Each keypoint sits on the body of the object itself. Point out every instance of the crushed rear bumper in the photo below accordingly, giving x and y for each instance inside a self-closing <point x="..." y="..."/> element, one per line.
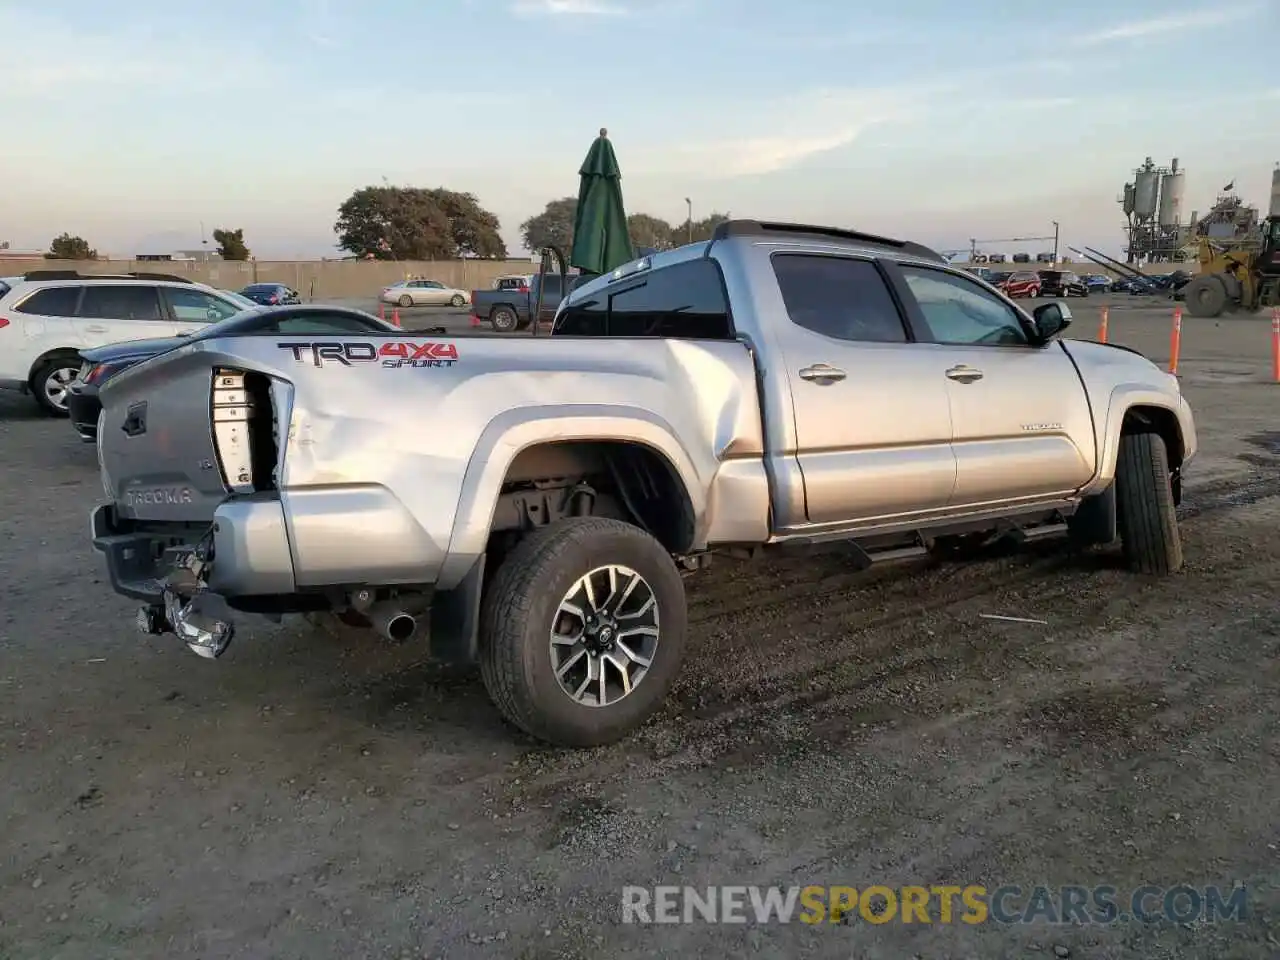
<point x="248" y="537"/>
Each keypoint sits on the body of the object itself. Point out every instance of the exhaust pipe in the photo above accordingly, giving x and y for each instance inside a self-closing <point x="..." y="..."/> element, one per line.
<point x="392" y="622"/>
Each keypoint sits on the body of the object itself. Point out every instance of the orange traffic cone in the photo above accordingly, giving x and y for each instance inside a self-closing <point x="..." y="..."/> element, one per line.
<point x="395" y="316"/>
<point x="475" y="319"/>
<point x="382" y="311"/>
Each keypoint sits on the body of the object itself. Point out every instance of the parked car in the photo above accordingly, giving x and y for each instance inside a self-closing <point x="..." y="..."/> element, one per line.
<point x="100" y="364"/>
<point x="509" y="310"/>
<point x="1062" y="283"/>
<point x="424" y="293"/>
<point x="1023" y="284"/>
<point x="48" y="316"/>
<point x="1044" y="258"/>
<point x="1097" y="283"/>
<point x="271" y="294"/>
<point x="1022" y="258"/>
<point x="978" y="258"/>
<point x="670" y="413"/>
<point x="998" y="258"/>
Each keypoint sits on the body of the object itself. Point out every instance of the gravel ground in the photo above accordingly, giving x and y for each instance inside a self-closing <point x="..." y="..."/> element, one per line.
<point x="312" y="795"/>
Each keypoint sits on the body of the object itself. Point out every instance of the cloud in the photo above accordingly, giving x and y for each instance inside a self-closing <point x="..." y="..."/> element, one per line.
<point x="1170" y="23"/>
<point x="559" y="8"/>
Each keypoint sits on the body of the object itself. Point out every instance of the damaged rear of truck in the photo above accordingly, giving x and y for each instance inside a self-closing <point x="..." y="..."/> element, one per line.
<point x="398" y="479"/>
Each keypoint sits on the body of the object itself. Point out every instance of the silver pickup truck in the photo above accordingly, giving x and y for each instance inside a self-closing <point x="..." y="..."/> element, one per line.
<point x="535" y="502"/>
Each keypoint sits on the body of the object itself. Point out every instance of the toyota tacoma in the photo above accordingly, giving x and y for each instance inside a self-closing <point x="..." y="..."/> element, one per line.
<point x="534" y="504"/>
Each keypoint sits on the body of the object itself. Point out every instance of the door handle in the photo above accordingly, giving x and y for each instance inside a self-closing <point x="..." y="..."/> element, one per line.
<point x="822" y="374"/>
<point x="963" y="374"/>
<point x="95" y="329"/>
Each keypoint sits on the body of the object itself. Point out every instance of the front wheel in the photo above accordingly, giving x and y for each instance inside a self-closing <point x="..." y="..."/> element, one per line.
<point x="1145" y="513"/>
<point x="458" y="300"/>
<point x="406" y="301"/>
<point x="49" y="385"/>
<point x="582" y="631"/>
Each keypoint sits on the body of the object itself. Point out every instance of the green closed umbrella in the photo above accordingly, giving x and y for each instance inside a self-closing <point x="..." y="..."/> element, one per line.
<point x="600" y="239"/>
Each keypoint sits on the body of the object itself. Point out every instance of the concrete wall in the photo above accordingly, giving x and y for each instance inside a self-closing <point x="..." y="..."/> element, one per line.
<point x="311" y="278"/>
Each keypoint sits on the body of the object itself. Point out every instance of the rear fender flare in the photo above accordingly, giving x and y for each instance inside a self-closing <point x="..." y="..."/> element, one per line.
<point x="507" y="434"/>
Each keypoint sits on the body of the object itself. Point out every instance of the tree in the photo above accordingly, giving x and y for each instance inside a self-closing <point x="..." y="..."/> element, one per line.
<point x="473" y="228"/>
<point x="67" y="247"/>
<point x="702" y="229"/>
<point x="552" y="227"/>
<point x="647" y="231"/>
<point x="231" y="244"/>
<point x="413" y="223"/>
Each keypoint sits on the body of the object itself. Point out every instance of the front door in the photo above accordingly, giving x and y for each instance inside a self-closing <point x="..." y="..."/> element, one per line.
<point x="194" y="309"/>
<point x="872" y="421"/>
<point x="1020" y="420"/>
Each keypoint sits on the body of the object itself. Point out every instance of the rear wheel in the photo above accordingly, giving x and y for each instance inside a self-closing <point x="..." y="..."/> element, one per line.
<point x="1145" y="514"/>
<point x="504" y="319"/>
<point x="458" y="300"/>
<point x="1205" y="296"/>
<point x="50" y="381"/>
<point x="582" y="631"/>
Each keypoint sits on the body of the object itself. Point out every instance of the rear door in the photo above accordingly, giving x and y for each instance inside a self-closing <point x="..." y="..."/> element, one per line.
<point x="1020" y="418"/>
<point x="110" y="313"/>
<point x="872" y="421"/>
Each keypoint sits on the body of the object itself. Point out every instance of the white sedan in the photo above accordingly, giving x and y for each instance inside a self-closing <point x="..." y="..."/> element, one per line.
<point x="424" y="293"/>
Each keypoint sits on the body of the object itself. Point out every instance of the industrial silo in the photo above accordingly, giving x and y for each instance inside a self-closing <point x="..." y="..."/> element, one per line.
<point x="1172" y="187"/>
<point x="1146" y="187"/>
<point x="1273" y="210"/>
<point x="1127" y="204"/>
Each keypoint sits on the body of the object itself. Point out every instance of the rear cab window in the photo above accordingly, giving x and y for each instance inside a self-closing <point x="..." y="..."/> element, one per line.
<point x="684" y="301"/>
<point x="51" y="302"/>
<point x="844" y="298"/>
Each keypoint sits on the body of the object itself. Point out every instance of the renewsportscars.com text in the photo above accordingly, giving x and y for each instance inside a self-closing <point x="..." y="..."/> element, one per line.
<point x="938" y="904"/>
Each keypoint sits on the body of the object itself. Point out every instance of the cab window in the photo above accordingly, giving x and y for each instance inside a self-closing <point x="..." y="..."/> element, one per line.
<point x="959" y="311"/>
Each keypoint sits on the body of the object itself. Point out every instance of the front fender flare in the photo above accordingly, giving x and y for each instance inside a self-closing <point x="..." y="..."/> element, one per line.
<point x="507" y="434"/>
<point x="1123" y="398"/>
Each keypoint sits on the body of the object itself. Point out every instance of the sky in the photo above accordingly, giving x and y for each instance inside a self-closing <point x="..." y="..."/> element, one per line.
<point x="138" y="124"/>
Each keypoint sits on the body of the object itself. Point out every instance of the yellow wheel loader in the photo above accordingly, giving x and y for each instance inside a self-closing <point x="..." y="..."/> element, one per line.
<point x="1239" y="276"/>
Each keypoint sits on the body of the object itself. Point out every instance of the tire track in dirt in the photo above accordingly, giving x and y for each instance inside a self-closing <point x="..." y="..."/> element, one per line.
<point x="873" y="646"/>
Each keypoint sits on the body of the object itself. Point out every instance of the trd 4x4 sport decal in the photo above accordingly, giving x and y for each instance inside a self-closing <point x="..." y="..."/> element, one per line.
<point x="392" y="354"/>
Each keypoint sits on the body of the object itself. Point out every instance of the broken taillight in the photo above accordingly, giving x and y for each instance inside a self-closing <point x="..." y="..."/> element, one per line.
<point x="3" y="323"/>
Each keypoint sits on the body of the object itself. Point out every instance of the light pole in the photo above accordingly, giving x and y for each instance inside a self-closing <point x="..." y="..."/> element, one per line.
<point x="689" y="203"/>
<point x="1055" y="243"/>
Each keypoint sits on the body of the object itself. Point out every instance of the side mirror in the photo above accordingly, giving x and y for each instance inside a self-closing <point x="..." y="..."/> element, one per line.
<point x="1051" y="319"/>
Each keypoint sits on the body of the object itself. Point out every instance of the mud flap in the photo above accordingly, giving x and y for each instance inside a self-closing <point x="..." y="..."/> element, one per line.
<point x="455" y="618"/>
<point x="1094" y="522"/>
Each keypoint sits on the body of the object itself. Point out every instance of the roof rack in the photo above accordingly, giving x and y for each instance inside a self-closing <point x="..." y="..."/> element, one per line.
<point x="760" y="228"/>
<point x="36" y="275"/>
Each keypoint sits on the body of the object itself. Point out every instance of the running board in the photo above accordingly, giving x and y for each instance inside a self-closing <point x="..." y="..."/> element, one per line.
<point x="1042" y="532"/>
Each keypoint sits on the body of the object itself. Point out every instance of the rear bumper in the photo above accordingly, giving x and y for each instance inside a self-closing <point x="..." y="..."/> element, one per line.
<point x="84" y="408"/>
<point x="250" y="549"/>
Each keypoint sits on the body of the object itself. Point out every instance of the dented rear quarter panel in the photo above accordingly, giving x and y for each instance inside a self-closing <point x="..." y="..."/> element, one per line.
<point x="438" y="438"/>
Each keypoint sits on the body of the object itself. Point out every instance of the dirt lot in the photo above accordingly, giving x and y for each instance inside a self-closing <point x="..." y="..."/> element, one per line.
<point x="313" y="796"/>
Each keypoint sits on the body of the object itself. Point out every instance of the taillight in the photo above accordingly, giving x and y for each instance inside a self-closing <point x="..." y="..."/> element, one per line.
<point x="524" y="288"/>
<point x="94" y="373"/>
<point x="244" y="433"/>
<point x="272" y="299"/>
<point x="3" y="323"/>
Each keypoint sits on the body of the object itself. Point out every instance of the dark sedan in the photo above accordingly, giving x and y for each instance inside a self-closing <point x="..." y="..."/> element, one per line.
<point x="103" y="363"/>
<point x="271" y="294"/>
<point x="1062" y="283"/>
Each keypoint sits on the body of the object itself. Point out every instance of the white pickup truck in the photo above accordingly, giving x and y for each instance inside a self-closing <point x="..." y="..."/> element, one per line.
<point x="536" y="500"/>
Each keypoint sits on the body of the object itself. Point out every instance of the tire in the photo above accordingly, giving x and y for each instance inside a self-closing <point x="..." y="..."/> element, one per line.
<point x="49" y="382"/>
<point x="1205" y="297"/>
<point x="1145" y="514"/>
<point x="406" y="301"/>
<point x="458" y="300"/>
<point x="523" y="605"/>
<point x="504" y="319"/>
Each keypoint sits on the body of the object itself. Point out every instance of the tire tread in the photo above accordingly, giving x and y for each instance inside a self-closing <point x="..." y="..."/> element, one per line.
<point x="1147" y="517"/>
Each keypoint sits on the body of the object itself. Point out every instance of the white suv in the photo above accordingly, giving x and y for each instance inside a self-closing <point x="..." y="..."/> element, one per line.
<point x="48" y="316"/>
